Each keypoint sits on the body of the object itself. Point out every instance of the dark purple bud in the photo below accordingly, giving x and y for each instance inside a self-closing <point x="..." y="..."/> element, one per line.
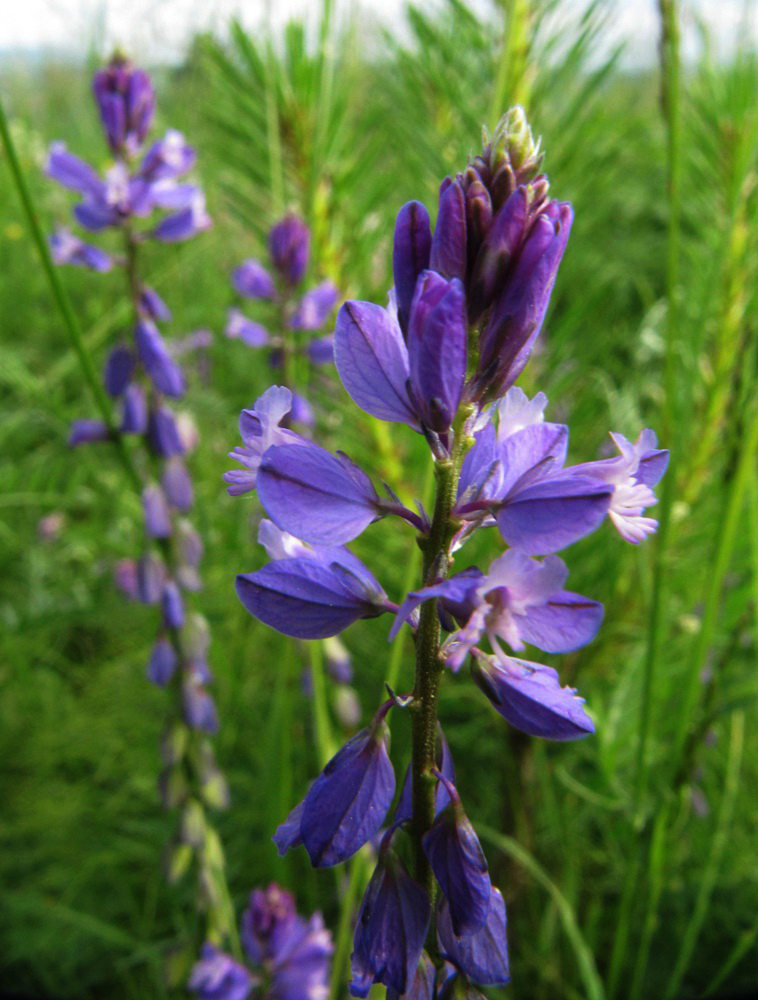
<point x="315" y="307"/>
<point x="530" y="697"/>
<point x="459" y="865"/>
<point x="153" y="306"/>
<point x="163" y="433"/>
<point x="118" y="370"/>
<point x="199" y="708"/>
<point x="478" y="217"/>
<point x="482" y="956"/>
<point x="422" y="987"/>
<point x="156" y="512"/>
<point x="68" y="249"/>
<point x="289" y="246"/>
<point x="126" y="101"/>
<point x="318" y="498"/>
<point x="498" y="251"/>
<point x="163" y="663"/>
<point x="288" y="836"/>
<point x="410" y="255"/>
<point x="449" y="250"/>
<point x="321" y="351"/>
<point x="87" y="432"/>
<point x="239" y="327"/>
<point x="392" y="926"/>
<point x="177" y="485"/>
<point x="517" y="317"/>
<point x="162" y="370"/>
<point x="310" y="599"/>
<point x="216" y="976"/>
<point x="172" y="605"/>
<point x="134" y="420"/>
<point x="252" y="280"/>
<point x="151" y="574"/>
<point x="372" y="361"/>
<point x="437" y="335"/>
<point x="347" y="803"/>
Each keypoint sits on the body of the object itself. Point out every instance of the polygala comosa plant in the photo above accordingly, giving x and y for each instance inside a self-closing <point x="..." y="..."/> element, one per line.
<point x="468" y="303"/>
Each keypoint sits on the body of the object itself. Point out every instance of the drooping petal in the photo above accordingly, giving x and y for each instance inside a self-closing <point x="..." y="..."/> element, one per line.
<point x="530" y="697"/>
<point x="459" y="865"/>
<point x="391" y="929"/>
<point x="288" y="836"/>
<point x="307" y="600"/>
<point x="410" y="255"/>
<point x="347" y="803"/>
<point x="482" y="956"/>
<point x="422" y="987"/>
<point x="317" y="497"/>
<point x="372" y="361"/>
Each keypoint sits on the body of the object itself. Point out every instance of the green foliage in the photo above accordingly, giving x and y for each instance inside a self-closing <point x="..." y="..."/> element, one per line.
<point x="601" y="848"/>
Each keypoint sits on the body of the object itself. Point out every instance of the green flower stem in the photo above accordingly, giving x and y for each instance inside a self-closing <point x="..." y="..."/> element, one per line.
<point x="60" y="295"/>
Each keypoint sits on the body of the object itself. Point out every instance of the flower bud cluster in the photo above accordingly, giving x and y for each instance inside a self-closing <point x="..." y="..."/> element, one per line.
<point x="289" y="957"/>
<point x="469" y="300"/>
<point x="142" y="374"/>
<point x="297" y="317"/>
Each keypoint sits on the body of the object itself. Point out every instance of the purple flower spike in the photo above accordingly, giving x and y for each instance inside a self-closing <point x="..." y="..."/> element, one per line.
<point x="177" y="485"/>
<point x="482" y="956"/>
<point x="372" y="361"/>
<point x="449" y="251"/>
<point x="319" y="498"/>
<point x="156" y="512"/>
<point x="391" y="929"/>
<point x="239" y="327"/>
<point x="162" y="370"/>
<point x="163" y="663"/>
<point x="422" y="987"/>
<point x="172" y="605"/>
<point x="289" y="245"/>
<point x="410" y="255"/>
<point x="315" y="307"/>
<point x="68" y="249"/>
<point x="459" y="864"/>
<point x="218" y="977"/>
<point x="118" y="370"/>
<point x="530" y="697"/>
<point x="153" y="306"/>
<point x="126" y="101"/>
<point x="87" y="432"/>
<point x="517" y="318"/>
<point x="163" y="433"/>
<point x="437" y="334"/>
<point x="347" y="803"/>
<point x="252" y="281"/>
<point x="134" y="420"/>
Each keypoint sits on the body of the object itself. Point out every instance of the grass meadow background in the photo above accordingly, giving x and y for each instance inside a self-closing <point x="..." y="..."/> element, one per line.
<point x="628" y="861"/>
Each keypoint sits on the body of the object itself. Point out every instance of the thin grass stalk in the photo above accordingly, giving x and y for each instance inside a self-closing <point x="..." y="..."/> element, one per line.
<point x="718" y="846"/>
<point x="513" y="83"/>
<point x="273" y="124"/>
<point x="63" y="302"/>
<point x="744" y="944"/>
<point x="321" y="723"/>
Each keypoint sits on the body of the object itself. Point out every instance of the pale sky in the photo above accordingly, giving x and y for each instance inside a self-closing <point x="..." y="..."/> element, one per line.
<point x="160" y="29"/>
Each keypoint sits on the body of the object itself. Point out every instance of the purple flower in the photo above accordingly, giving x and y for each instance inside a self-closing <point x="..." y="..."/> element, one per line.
<point x="458" y="862"/>
<point x="163" y="433"/>
<point x="325" y="500"/>
<point x="321" y="351"/>
<point x="260" y="428"/>
<point x="172" y="605"/>
<point x="437" y="334"/>
<point x="151" y="575"/>
<point x="134" y="420"/>
<point x="177" y="485"/>
<point x="119" y="368"/>
<point x="482" y="956"/>
<point x="216" y="976"/>
<point x="422" y="987"/>
<point x="156" y="512"/>
<point x="392" y="925"/>
<point x="410" y="255"/>
<point x="68" y="249"/>
<point x="169" y="157"/>
<point x="252" y="280"/>
<point x="372" y="361"/>
<point x="153" y="306"/>
<point x="87" y="432"/>
<point x="530" y="697"/>
<point x="125" y="578"/>
<point x="315" y="306"/>
<point x="72" y="173"/>
<point x="126" y="101"/>
<point x="186" y="223"/>
<point x="239" y="327"/>
<point x="163" y="663"/>
<point x="199" y="708"/>
<point x="162" y="370"/>
<point x="289" y="245"/>
<point x="449" y="253"/>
